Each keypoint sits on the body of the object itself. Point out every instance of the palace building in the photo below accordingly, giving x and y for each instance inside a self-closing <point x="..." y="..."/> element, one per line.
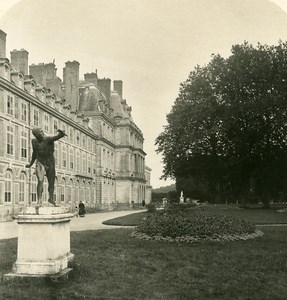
<point x="101" y="160"/>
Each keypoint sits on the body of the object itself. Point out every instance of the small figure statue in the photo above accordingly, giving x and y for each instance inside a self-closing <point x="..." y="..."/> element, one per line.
<point x="181" y="199"/>
<point x="43" y="153"/>
<point x="164" y="202"/>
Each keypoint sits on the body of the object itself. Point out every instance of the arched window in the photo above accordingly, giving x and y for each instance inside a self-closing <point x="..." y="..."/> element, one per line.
<point x="63" y="184"/>
<point x="88" y="188"/>
<point x="71" y="159"/>
<point x="34" y="189"/>
<point x="64" y="156"/>
<point x="77" y="194"/>
<point x="82" y="191"/>
<point x="55" y="190"/>
<point x="92" y="189"/>
<point x="56" y="154"/>
<point x="45" y="190"/>
<point x="22" y="188"/>
<point x="8" y="187"/>
<point x="69" y="191"/>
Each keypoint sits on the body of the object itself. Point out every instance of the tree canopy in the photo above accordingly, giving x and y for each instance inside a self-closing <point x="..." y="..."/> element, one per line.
<point x="227" y="128"/>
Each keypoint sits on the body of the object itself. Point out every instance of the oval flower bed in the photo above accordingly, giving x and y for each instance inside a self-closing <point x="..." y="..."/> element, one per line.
<point x="193" y="226"/>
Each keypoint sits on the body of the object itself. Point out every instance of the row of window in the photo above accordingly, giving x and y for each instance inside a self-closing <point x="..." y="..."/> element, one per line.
<point x="69" y="158"/>
<point x="19" y="110"/>
<point x="11" y="141"/>
<point x="65" y="193"/>
<point x="108" y="132"/>
<point x="66" y="156"/>
<point x="135" y="140"/>
<point x="108" y="159"/>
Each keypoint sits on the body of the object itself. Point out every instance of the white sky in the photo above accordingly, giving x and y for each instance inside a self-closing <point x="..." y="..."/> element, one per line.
<point x="151" y="45"/>
<point x="281" y="3"/>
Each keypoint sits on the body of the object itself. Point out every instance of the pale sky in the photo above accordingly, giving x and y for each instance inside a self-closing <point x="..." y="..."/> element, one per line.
<point x="151" y="45"/>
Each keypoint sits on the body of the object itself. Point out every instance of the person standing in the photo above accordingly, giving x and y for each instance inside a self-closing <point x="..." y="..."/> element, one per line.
<point x="82" y="209"/>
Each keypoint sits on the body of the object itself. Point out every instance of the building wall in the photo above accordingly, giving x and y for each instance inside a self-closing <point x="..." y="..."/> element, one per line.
<point x="75" y="154"/>
<point x="101" y="160"/>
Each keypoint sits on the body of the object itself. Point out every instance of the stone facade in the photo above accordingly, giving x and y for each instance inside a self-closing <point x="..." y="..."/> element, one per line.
<point x="101" y="161"/>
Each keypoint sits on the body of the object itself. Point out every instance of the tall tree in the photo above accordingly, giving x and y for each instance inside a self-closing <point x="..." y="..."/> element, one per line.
<point x="228" y="124"/>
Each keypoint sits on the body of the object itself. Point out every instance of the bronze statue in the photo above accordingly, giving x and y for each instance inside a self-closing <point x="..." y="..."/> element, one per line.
<point x="43" y="153"/>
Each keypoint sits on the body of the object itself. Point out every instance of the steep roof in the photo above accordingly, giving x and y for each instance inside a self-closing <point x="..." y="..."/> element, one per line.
<point x="89" y="98"/>
<point x="117" y="106"/>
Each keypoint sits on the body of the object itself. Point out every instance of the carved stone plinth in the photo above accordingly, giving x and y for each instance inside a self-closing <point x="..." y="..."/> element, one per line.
<point x="43" y="242"/>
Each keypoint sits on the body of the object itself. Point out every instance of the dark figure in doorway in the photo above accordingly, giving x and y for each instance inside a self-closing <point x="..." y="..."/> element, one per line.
<point x="43" y="153"/>
<point x="82" y="209"/>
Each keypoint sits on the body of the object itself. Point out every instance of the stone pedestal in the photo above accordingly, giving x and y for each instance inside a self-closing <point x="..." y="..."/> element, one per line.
<point x="43" y="242"/>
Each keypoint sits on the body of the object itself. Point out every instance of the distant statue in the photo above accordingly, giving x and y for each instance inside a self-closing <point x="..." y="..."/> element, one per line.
<point x="181" y="199"/>
<point x="164" y="202"/>
<point x="43" y="153"/>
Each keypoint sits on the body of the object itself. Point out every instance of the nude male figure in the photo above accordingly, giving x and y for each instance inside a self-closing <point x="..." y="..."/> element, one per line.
<point x="43" y="154"/>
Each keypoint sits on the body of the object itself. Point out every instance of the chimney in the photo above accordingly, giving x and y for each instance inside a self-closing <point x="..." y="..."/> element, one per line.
<point x="51" y="70"/>
<point x="43" y="72"/>
<point x="39" y="73"/>
<point x="71" y="82"/>
<point x="2" y="44"/>
<point x="118" y="87"/>
<point x="19" y="60"/>
<point x="91" y="77"/>
<point x="105" y="86"/>
<point x="55" y="84"/>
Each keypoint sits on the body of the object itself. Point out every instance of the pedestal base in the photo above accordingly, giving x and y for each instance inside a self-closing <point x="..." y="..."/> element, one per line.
<point x="42" y="267"/>
<point x="59" y="277"/>
<point x="43" y="242"/>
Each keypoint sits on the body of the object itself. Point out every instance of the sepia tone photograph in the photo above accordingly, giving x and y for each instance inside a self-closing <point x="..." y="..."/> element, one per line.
<point x="143" y="150"/>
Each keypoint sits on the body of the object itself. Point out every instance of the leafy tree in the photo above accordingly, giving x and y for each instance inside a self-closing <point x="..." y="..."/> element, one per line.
<point x="228" y="126"/>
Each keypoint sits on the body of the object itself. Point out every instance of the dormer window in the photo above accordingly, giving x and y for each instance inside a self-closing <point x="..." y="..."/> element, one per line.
<point x="21" y="81"/>
<point x="43" y="95"/>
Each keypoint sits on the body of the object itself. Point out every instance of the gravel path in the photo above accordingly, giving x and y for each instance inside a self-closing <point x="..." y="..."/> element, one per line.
<point x="89" y="222"/>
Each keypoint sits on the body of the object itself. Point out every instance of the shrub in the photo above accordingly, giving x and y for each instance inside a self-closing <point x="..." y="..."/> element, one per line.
<point x="192" y="224"/>
<point x="151" y="207"/>
<point x="181" y="206"/>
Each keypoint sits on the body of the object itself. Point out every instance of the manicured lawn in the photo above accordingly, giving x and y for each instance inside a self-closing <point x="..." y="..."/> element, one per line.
<point x="109" y="264"/>
<point x="254" y="215"/>
<point x="129" y="220"/>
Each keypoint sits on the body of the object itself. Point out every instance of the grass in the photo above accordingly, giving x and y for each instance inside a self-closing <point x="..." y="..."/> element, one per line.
<point x="254" y="215"/>
<point x="109" y="264"/>
<point x="129" y="220"/>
